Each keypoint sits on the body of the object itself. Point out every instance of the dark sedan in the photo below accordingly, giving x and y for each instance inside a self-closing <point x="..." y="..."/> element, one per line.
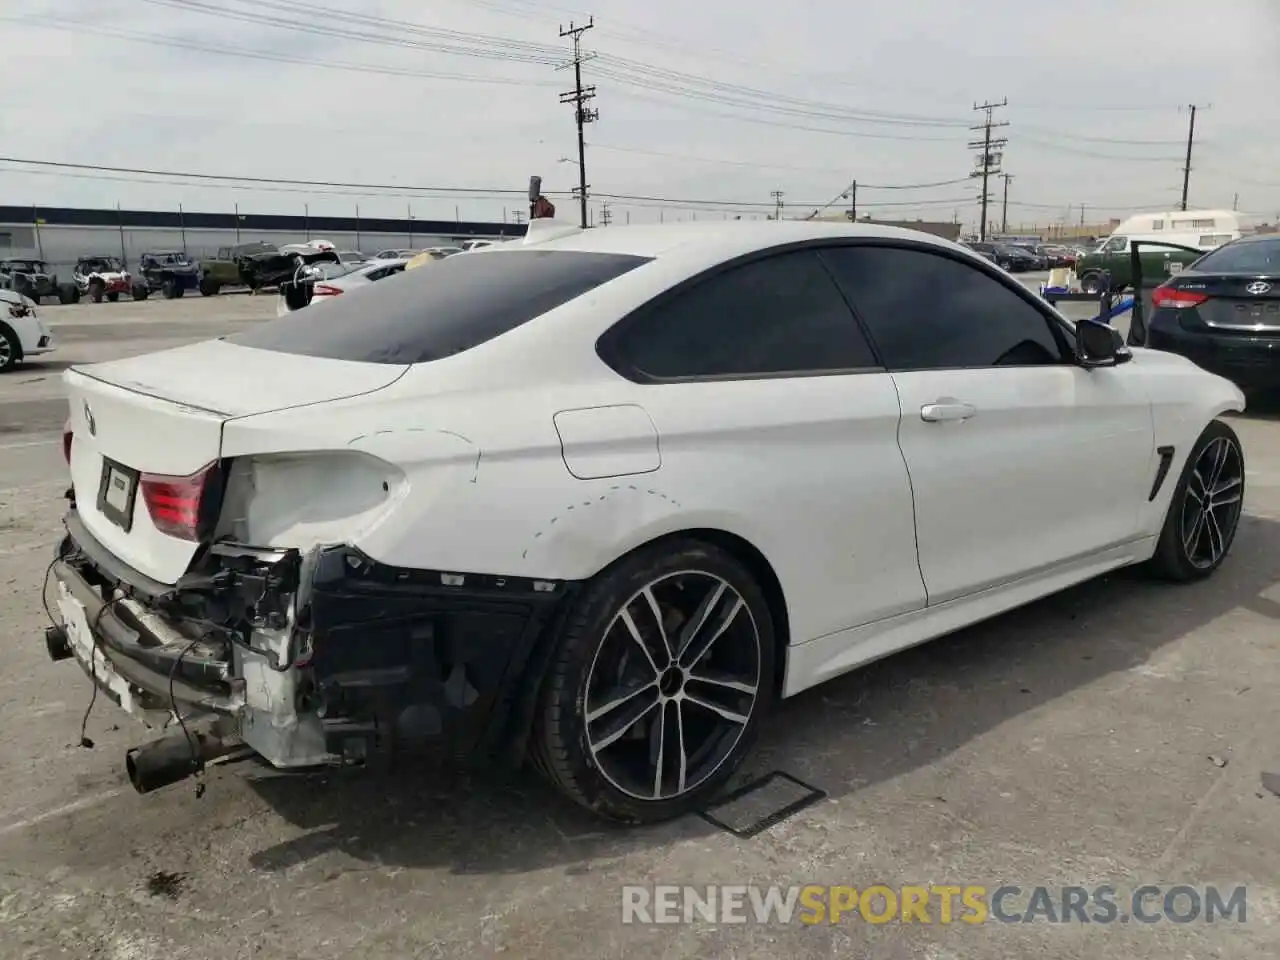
<point x="1223" y="312"/>
<point x="1011" y="258"/>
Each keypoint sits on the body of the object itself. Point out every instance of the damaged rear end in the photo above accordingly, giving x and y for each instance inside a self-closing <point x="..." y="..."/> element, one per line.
<point x="224" y="590"/>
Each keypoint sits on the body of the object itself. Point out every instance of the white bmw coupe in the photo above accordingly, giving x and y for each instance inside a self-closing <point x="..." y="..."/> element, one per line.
<point x="602" y="497"/>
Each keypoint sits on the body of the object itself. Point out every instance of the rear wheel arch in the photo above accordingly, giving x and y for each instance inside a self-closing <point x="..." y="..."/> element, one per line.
<point x="519" y="725"/>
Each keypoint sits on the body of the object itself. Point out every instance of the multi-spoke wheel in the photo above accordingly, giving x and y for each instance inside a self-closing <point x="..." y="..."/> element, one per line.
<point x="1205" y="510"/>
<point x="660" y="676"/>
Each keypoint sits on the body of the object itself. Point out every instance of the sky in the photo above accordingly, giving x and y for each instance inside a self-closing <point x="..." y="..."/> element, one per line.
<point x="433" y="108"/>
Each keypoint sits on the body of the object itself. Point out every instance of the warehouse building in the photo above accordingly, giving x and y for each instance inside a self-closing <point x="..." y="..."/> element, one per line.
<point x="61" y="235"/>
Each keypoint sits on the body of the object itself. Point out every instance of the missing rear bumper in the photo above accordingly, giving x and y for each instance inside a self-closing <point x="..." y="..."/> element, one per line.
<point x="322" y="659"/>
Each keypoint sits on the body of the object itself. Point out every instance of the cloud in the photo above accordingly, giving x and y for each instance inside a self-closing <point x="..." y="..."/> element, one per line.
<point x="714" y="101"/>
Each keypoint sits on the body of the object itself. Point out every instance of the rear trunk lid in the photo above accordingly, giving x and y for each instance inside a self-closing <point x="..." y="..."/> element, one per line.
<point x="1237" y="302"/>
<point x="162" y="414"/>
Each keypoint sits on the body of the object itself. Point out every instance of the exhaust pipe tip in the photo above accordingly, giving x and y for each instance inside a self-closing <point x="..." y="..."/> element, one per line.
<point x="56" y="642"/>
<point x="161" y="763"/>
<point x="177" y="756"/>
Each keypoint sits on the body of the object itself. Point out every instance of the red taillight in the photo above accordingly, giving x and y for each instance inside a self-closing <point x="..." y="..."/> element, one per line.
<point x="66" y="441"/>
<point x="1171" y="298"/>
<point x="174" y="502"/>
<point x="325" y="290"/>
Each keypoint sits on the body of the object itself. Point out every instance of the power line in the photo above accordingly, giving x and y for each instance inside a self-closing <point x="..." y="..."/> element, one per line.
<point x="991" y="156"/>
<point x="106" y="30"/>
<point x="257" y="180"/>
<point x="327" y="187"/>
<point x="498" y="48"/>
<point x="579" y="96"/>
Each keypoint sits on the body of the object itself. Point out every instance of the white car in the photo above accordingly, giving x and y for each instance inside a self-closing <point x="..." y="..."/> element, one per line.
<point x="23" y="334"/>
<point x="321" y="282"/>
<point x="604" y="496"/>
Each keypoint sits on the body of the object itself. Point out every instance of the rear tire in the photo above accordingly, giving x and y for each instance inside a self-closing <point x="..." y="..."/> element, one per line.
<point x="610" y="649"/>
<point x="113" y="296"/>
<point x="1091" y="283"/>
<point x="169" y="288"/>
<point x="208" y="287"/>
<point x="1204" y="512"/>
<point x="95" y="291"/>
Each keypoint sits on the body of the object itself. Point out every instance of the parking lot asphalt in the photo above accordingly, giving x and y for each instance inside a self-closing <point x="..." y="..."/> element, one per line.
<point x="1113" y="734"/>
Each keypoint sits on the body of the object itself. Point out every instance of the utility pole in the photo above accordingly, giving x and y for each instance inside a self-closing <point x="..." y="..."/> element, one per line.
<point x="1235" y="202"/>
<point x="1191" y="139"/>
<point x="1004" y="206"/>
<point x="606" y="215"/>
<point x="777" y="203"/>
<point x="992" y="154"/>
<point x="853" y="201"/>
<point x="579" y="96"/>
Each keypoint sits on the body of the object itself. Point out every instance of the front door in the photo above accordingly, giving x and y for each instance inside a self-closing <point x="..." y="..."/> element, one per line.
<point x="1019" y="458"/>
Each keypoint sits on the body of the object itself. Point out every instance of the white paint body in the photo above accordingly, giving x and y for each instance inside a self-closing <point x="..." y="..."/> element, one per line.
<point x="29" y="328"/>
<point x="528" y="456"/>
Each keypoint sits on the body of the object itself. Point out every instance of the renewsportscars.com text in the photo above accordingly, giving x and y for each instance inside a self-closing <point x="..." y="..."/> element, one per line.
<point x="932" y="904"/>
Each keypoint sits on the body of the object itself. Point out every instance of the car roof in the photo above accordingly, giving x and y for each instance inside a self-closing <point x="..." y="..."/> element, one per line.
<point x="721" y="240"/>
<point x="1252" y="238"/>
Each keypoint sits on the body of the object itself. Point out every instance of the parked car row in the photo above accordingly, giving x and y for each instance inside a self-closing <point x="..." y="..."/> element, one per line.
<point x="171" y="273"/>
<point x="1019" y="257"/>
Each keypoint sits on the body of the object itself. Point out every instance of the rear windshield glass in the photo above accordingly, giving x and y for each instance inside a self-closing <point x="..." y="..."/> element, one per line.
<point x="452" y="306"/>
<point x="1252" y="256"/>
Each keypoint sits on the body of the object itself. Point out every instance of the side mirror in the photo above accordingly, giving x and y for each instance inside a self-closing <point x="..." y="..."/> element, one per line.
<point x="1098" y="344"/>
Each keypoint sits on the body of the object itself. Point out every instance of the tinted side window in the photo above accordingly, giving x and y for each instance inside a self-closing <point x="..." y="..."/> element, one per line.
<point x="783" y="314"/>
<point x="930" y="312"/>
<point x="421" y="315"/>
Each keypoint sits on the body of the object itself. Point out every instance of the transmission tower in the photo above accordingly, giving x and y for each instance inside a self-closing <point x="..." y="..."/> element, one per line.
<point x="606" y="215"/>
<point x="777" y="203"/>
<point x="579" y="96"/>
<point x="989" y="160"/>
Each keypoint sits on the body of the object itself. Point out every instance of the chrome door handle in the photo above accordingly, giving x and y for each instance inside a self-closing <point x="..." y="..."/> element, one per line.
<point x="945" y="409"/>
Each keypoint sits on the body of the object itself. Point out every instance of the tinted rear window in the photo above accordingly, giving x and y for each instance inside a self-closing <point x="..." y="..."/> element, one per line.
<point x="437" y="311"/>
<point x="1252" y="256"/>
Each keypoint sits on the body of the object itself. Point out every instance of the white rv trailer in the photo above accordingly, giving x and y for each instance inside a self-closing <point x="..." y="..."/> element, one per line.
<point x="1205" y="229"/>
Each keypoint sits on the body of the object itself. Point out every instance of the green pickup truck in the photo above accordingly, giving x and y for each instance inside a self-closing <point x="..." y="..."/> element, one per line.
<point x="1113" y="256"/>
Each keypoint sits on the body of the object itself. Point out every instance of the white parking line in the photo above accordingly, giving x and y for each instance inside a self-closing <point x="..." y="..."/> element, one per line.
<point x="29" y="443"/>
<point x="72" y="807"/>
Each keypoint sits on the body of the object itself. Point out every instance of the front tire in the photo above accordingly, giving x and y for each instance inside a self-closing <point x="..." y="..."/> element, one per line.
<point x="10" y="349"/>
<point x="1204" y="513"/>
<point x="661" y="673"/>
